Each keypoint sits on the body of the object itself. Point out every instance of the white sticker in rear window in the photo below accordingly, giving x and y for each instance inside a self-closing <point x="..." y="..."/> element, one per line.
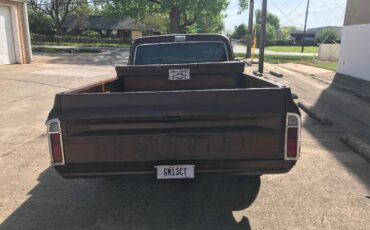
<point x="178" y="74"/>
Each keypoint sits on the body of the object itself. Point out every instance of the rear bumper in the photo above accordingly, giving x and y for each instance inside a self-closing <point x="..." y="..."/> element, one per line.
<point x="240" y="167"/>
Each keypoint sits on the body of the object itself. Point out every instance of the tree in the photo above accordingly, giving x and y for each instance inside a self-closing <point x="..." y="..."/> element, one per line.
<point x="328" y="35"/>
<point x="183" y="15"/>
<point x="213" y="24"/>
<point x="57" y="10"/>
<point x="40" y="23"/>
<point x="271" y="19"/>
<point x="271" y="33"/>
<point x="157" y="22"/>
<point x="284" y="33"/>
<point x="243" y="5"/>
<point x="136" y="9"/>
<point x="240" y="32"/>
<point x="272" y="26"/>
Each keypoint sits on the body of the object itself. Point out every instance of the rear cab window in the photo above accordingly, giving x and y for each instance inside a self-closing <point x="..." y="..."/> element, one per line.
<point x="186" y="52"/>
<point x="192" y="49"/>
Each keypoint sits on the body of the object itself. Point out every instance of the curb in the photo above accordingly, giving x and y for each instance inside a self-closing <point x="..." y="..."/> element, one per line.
<point x="356" y="144"/>
<point x="276" y="74"/>
<point x="318" y="116"/>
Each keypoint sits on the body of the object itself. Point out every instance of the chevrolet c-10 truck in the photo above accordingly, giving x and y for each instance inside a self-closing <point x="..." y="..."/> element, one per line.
<point x="181" y="107"/>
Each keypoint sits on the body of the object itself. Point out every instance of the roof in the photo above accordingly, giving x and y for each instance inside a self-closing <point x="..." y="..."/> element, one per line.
<point x="318" y="29"/>
<point x="103" y="23"/>
<point x="301" y="33"/>
<point x="314" y="31"/>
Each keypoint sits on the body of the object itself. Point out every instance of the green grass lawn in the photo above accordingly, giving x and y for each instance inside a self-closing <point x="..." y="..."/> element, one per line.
<point x="310" y="61"/>
<point x="296" y="49"/>
<point x="123" y="45"/>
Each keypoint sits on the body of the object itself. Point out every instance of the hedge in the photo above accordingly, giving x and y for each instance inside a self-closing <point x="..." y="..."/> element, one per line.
<point x="37" y="39"/>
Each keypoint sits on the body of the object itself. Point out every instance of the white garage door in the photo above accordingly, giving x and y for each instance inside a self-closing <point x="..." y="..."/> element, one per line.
<point x="7" y="49"/>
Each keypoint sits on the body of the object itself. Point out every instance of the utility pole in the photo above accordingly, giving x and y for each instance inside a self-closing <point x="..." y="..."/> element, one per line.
<point x="250" y="29"/>
<point x="262" y="36"/>
<point x="305" y="25"/>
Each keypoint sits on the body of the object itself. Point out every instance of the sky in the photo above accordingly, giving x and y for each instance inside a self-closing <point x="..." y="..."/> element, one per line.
<point x="292" y="13"/>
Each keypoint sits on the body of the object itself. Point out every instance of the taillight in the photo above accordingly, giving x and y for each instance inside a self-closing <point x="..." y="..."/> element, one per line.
<point x="292" y="136"/>
<point x="55" y="142"/>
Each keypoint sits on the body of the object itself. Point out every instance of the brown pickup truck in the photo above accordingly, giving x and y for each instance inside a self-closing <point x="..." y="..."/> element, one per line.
<point x="181" y="107"/>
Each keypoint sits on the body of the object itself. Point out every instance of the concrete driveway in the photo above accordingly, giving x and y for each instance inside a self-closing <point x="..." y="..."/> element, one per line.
<point x="329" y="188"/>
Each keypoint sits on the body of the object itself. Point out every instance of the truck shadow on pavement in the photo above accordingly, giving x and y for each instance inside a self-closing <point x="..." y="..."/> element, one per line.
<point x="135" y="203"/>
<point x="348" y="114"/>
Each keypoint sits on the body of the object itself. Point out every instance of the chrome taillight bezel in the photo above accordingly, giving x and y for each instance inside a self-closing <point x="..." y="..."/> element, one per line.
<point x="298" y="126"/>
<point x="48" y="125"/>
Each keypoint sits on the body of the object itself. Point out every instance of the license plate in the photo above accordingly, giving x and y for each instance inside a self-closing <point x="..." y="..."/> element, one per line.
<point x="178" y="74"/>
<point x="175" y="171"/>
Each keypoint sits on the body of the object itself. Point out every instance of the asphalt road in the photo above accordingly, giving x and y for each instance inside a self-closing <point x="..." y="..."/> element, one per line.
<point x="329" y="188"/>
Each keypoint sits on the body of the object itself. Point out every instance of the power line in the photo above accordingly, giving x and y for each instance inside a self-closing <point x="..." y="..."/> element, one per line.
<point x="329" y="10"/>
<point x="284" y="2"/>
<point x="300" y="15"/>
<point x="313" y="12"/>
<point x="324" y="11"/>
<point x="314" y="15"/>
<point x="281" y="11"/>
<point x="342" y="6"/>
<point x="299" y="4"/>
<point x="287" y="16"/>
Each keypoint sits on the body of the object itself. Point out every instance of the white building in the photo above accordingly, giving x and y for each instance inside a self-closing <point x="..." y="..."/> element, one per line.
<point x="15" y="45"/>
<point x="354" y="59"/>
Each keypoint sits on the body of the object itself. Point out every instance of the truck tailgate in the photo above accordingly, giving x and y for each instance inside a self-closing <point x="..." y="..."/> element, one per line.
<point x="173" y="126"/>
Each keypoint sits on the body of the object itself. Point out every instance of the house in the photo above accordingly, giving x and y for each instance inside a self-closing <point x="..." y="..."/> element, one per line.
<point x="355" y="46"/>
<point x="299" y="35"/>
<point x="309" y="36"/>
<point x="122" y="27"/>
<point x="15" y="45"/>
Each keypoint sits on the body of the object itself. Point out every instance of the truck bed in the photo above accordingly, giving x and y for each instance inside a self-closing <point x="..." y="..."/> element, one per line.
<point x="140" y="118"/>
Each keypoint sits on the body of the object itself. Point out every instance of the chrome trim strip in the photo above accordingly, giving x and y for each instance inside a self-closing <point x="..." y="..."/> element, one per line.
<point x="162" y="43"/>
<point x="286" y="137"/>
<point x="61" y="142"/>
